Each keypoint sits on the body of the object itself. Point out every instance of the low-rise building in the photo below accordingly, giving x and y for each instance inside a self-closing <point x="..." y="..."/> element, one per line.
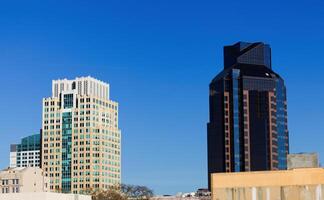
<point x="302" y="160"/>
<point x="202" y="192"/>
<point x="292" y="184"/>
<point x="22" y="180"/>
<point x="43" y="196"/>
<point x="170" y="197"/>
<point x="29" y="183"/>
<point x="26" y="153"/>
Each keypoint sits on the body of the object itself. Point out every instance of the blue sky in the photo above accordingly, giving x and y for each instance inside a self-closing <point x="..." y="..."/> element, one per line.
<point x="159" y="57"/>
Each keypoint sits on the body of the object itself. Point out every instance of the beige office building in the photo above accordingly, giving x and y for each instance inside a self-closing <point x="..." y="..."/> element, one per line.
<point x="81" y="140"/>
<point x="293" y="184"/>
<point x="22" y="180"/>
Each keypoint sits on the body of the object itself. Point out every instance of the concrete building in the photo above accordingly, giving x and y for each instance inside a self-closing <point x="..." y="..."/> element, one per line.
<point x="81" y="140"/>
<point x="293" y="184"/>
<point x="13" y="155"/>
<point x="26" y="153"/>
<point x="177" y="198"/>
<point x="23" y="179"/>
<point x="43" y="196"/>
<point x="200" y="194"/>
<point x="302" y="160"/>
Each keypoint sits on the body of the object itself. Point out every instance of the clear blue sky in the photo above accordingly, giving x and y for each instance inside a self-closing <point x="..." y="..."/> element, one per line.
<point x="159" y="57"/>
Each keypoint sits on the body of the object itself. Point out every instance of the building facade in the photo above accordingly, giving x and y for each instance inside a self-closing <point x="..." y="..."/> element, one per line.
<point x="302" y="160"/>
<point x="293" y="184"/>
<point x="81" y="140"/>
<point x="27" y="153"/>
<point x="22" y="180"/>
<point x="247" y="130"/>
<point x="43" y="196"/>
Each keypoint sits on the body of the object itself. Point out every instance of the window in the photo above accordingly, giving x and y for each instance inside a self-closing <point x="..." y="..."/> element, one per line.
<point x="68" y="101"/>
<point x="5" y="182"/>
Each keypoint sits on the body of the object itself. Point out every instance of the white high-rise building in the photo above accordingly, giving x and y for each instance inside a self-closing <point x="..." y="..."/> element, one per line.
<point x="81" y="140"/>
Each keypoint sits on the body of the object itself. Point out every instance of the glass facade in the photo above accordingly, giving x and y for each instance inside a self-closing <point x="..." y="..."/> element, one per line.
<point x="259" y="130"/>
<point x="247" y="132"/>
<point x="66" y="151"/>
<point x="247" y="53"/>
<point x="68" y="101"/>
<point x="236" y="120"/>
<point x="30" y="143"/>
<point x="281" y="124"/>
<point x="28" y="152"/>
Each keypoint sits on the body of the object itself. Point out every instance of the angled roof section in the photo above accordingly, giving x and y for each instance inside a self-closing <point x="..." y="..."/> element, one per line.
<point x="257" y="53"/>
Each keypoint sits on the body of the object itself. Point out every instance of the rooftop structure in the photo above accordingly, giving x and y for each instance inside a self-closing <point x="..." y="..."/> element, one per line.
<point x="82" y="86"/>
<point x="302" y="160"/>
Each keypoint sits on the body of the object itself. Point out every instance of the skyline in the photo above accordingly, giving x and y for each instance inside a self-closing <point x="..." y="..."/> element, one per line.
<point x="144" y="59"/>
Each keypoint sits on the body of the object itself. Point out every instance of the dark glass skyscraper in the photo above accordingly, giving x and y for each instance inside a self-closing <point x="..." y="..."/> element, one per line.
<point x="248" y="113"/>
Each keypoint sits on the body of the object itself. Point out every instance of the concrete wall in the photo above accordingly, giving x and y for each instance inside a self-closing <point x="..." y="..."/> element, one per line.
<point x="180" y="198"/>
<point x="310" y="192"/>
<point x="296" y="184"/>
<point x="302" y="160"/>
<point x="43" y="196"/>
<point x="31" y="179"/>
<point x="307" y="176"/>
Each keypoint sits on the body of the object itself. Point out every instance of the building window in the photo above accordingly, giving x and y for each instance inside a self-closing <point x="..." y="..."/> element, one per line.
<point x="15" y="181"/>
<point x="5" y="182"/>
<point x="68" y="100"/>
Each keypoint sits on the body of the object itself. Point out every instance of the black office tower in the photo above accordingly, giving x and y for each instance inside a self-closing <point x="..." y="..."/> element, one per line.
<point x="248" y="113"/>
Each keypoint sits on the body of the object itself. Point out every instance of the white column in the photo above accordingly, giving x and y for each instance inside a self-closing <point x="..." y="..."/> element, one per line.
<point x="319" y="192"/>
<point x="268" y="193"/>
<point x="254" y="193"/>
